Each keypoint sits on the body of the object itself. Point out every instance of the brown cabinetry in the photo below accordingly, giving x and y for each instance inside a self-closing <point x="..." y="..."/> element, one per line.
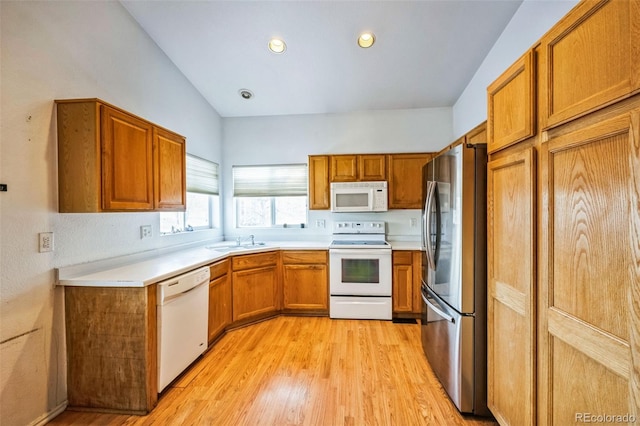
<point x="405" y="180"/>
<point x="590" y="59"/>
<point x="564" y="231"/>
<point x="305" y="281"/>
<point x="511" y="190"/>
<point x="110" y="160"/>
<point x="511" y="105"/>
<point x="111" y="348"/>
<point x="255" y="289"/>
<point x="407" y="272"/>
<point x="352" y="168"/>
<point x="319" y="182"/>
<point x="590" y="276"/>
<point x="219" y="299"/>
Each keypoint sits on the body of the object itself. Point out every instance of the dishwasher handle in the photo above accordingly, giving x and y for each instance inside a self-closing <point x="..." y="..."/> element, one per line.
<point x="169" y="298"/>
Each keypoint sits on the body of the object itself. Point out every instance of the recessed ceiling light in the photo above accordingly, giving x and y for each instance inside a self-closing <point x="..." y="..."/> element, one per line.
<point x="245" y="93"/>
<point x="277" y="45"/>
<point x="366" y="40"/>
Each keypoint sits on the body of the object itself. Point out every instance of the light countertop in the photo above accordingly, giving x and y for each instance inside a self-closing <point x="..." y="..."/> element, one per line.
<point x="140" y="270"/>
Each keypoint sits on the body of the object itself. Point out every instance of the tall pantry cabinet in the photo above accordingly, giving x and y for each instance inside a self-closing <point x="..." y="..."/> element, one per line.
<point x="564" y="223"/>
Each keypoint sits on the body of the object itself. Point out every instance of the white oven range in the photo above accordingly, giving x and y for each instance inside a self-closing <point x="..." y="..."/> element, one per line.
<point x="360" y="271"/>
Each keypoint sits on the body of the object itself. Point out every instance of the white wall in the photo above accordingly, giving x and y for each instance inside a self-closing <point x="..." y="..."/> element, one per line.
<point x="291" y="138"/>
<point x="54" y="50"/>
<point x="530" y="22"/>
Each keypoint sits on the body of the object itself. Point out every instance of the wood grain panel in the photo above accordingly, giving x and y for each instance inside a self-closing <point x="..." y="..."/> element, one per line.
<point x="511" y="312"/>
<point x="127" y="161"/>
<point x="344" y="168"/>
<point x="304" y="256"/>
<point x="587" y="300"/>
<point x="79" y="152"/>
<point x="109" y="349"/>
<point x="405" y="180"/>
<point x="219" y="305"/>
<point x="305" y="287"/>
<point x="590" y="59"/>
<point x="372" y="167"/>
<point x="170" y="181"/>
<point x="218" y="269"/>
<point x="319" y="182"/>
<point x="248" y="261"/>
<point x="590" y="206"/>
<point x="634" y="287"/>
<point x="511" y="105"/>
<point x="477" y="135"/>
<point x="402" y="294"/>
<point x="255" y="292"/>
<point x="586" y="387"/>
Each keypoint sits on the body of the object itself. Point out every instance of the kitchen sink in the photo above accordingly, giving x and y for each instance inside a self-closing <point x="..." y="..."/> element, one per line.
<point x="235" y="247"/>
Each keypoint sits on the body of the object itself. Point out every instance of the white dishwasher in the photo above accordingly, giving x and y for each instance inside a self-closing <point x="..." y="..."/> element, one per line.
<point x="182" y="312"/>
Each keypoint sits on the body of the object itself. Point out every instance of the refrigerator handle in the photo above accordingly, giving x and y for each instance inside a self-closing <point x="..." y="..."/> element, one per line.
<point x="427" y="224"/>
<point x="436" y="250"/>
<point x="437" y="310"/>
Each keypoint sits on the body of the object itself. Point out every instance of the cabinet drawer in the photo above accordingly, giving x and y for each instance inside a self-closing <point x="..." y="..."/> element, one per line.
<point x="219" y="269"/>
<point x="249" y="261"/>
<point x="306" y="256"/>
<point x="402" y="258"/>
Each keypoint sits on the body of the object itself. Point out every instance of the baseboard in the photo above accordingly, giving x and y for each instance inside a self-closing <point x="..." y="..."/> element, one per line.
<point x="47" y="417"/>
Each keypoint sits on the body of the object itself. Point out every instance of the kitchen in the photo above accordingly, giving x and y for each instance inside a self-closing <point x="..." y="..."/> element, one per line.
<point x="44" y="58"/>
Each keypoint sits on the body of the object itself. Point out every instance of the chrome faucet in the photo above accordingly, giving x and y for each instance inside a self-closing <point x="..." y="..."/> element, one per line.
<point x="250" y="237"/>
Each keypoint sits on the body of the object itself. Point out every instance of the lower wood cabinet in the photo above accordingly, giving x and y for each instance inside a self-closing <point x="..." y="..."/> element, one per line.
<point x="255" y="285"/>
<point x="219" y="299"/>
<point x="112" y="348"/>
<point x="305" y="281"/>
<point x="407" y="273"/>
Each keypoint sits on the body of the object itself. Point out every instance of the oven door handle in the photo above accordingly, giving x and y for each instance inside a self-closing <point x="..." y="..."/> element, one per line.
<point x="437" y="310"/>
<point x="363" y="251"/>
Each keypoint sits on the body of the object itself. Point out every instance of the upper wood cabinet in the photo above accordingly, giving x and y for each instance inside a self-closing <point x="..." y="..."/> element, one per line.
<point x="590" y="59"/>
<point x="352" y="168"/>
<point x="405" y="180"/>
<point x="511" y="105"/>
<point x="110" y="160"/>
<point x="319" y="182"/>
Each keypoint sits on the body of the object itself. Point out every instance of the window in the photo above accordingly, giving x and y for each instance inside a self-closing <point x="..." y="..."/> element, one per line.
<point x="202" y="199"/>
<point x="270" y="196"/>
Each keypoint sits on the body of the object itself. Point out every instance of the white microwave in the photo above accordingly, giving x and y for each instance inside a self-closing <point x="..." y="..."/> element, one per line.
<point x="359" y="196"/>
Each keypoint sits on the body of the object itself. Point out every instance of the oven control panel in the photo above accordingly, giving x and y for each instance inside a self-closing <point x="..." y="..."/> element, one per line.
<point x="357" y="227"/>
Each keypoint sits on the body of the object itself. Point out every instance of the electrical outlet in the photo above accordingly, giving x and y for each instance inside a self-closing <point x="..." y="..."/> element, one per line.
<point x="413" y="222"/>
<point x="145" y="231"/>
<point x="320" y="223"/>
<point x="46" y="242"/>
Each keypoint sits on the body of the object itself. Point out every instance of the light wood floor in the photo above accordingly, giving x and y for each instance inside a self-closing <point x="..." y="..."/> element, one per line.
<point x="303" y="371"/>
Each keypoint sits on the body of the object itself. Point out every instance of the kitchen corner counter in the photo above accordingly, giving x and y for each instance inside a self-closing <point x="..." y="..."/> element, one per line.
<point x="140" y="270"/>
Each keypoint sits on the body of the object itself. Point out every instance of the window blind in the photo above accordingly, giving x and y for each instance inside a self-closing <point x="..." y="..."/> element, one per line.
<point x="202" y="176"/>
<point x="270" y="181"/>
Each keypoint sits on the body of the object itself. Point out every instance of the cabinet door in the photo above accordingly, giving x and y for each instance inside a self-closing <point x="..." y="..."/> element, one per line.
<point x="319" y="182"/>
<point x="372" y="167"/>
<point x="219" y="306"/>
<point x="402" y="293"/>
<point x="511" y="288"/>
<point x="127" y="162"/>
<point x="405" y="180"/>
<point x="590" y="274"/>
<point x="590" y="59"/>
<point x="511" y="109"/>
<point x="305" y="287"/>
<point x="255" y="292"/>
<point x="344" y="168"/>
<point x="170" y="171"/>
